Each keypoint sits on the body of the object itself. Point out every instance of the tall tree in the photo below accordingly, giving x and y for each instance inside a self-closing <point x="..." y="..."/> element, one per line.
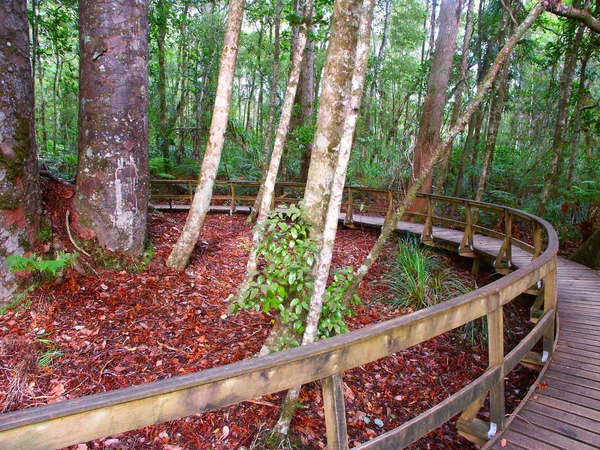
<point x="184" y="247"/>
<point x="19" y="174"/>
<point x="433" y="107"/>
<point x="112" y="179"/>
<point x="562" y="115"/>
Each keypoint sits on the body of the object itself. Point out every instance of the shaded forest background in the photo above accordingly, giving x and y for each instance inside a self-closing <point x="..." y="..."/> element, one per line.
<point x="512" y="141"/>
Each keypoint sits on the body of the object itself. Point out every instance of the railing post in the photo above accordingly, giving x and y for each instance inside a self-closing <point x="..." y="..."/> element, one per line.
<point x="466" y="245"/>
<point x="232" y="192"/>
<point x="537" y="239"/>
<point x="549" y="303"/>
<point x="191" y="192"/>
<point x="427" y="236"/>
<point x="335" y="412"/>
<point x="349" y="219"/>
<point x="496" y="357"/>
<point x="505" y="252"/>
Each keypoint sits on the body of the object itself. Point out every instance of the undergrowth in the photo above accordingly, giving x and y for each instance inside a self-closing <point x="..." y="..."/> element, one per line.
<point x="419" y="278"/>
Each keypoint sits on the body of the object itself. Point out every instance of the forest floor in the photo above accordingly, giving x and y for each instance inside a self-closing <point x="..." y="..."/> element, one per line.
<point x="101" y="329"/>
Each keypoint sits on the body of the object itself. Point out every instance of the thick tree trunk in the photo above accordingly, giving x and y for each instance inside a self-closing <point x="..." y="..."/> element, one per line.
<point x="460" y="89"/>
<point x="433" y="107"/>
<point x="184" y="247"/>
<point x="112" y="177"/>
<point x="566" y="86"/>
<point x="19" y="173"/>
<point x="588" y="253"/>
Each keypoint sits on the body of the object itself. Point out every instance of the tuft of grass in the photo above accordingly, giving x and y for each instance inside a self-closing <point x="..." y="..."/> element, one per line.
<point x="419" y="278"/>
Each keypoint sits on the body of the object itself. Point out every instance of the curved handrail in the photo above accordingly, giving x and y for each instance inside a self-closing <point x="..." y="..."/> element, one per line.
<point x="137" y="406"/>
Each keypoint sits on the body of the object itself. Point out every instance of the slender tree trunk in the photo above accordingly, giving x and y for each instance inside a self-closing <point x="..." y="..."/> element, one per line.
<point x="460" y="89"/>
<point x="184" y="247"/>
<point x="272" y="104"/>
<point x="112" y="177"/>
<point x="433" y="107"/>
<point x="305" y="97"/>
<point x="432" y="28"/>
<point x="566" y="86"/>
<point x="38" y="71"/>
<point x="19" y="182"/>
<point x="390" y="224"/>
<point x="377" y="66"/>
<point x="268" y="186"/>
<point x="575" y="120"/>
<point x="163" y="137"/>
<point x="321" y="270"/>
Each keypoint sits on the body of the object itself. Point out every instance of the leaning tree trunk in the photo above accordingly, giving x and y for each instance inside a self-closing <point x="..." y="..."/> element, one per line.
<point x="111" y="197"/>
<point x="184" y="247"/>
<point x="267" y="189"/>
<point x="433" y="107"/>
<point x="19" y="173"/>
<point x="588" y="253"/>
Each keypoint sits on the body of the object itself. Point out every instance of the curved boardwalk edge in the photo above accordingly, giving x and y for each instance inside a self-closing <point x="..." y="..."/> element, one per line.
<point x="112" y="412"/>
<point x="564" y="409"/>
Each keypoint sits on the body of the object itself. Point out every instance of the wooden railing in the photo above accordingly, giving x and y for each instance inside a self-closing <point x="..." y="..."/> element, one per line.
<point x="83" y="419"/>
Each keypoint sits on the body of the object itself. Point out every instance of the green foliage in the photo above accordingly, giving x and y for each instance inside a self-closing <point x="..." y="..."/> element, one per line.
<point x="52" y="352"/>
<point x="419" y="278"/>
<point x="46" y="268"/>
<point x="285" y="282"/>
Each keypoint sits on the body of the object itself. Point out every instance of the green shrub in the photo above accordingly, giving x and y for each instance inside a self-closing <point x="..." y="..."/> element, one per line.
<point x="284" y="281"/>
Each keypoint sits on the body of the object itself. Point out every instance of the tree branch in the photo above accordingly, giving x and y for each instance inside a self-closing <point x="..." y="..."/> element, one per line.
<point x="560" y="9"/>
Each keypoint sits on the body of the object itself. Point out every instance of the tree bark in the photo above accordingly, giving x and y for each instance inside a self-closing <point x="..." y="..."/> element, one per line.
<point x="588" y="253"/>
<point x="161" y="20"/>
<point x="184" y="247"/>
<point x="460" y="89"/>
<point x="433" y="108"/>
<point x="19" y="173"/>
<point x="267" y="189"/>
<point x="112" y="177"/>
<point x="332" y="106"/>
<point x="321" y="269"/>
<point x="305" y="98"/>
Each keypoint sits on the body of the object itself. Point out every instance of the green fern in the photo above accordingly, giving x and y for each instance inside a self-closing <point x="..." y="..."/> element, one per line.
<point x="44" y="267"/>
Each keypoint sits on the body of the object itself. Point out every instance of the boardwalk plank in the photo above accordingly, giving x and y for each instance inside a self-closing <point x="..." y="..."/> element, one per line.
<point x="574" y="430"/>
<point x="564" y="405"/>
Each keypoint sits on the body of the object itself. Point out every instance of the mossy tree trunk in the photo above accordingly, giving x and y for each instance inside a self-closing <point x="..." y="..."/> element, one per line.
<point x="19" y="173"/>
<point x="112" y="176"/>
<point x="588" y="253"/>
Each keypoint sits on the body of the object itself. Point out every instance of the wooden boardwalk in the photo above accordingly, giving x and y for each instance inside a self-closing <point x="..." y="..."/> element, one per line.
<point x="563" y="411"/>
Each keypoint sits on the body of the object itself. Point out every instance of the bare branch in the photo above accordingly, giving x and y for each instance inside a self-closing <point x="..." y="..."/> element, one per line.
<point x="560" y="9"/>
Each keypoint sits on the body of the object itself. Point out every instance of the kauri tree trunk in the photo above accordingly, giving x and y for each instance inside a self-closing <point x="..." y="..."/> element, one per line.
<point x="112" y="177"/>
<point x="433" y="107"/>
<point x="19" y="173"/>
<point x="588" y="253"/>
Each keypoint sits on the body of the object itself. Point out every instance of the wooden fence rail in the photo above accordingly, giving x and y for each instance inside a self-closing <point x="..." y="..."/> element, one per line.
<point x="83" y="419"/>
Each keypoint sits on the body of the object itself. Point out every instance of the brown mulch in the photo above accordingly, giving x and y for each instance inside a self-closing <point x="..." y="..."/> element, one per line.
<point x="114" y="328"/>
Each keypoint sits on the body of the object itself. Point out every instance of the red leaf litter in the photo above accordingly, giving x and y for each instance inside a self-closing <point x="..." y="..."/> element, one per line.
<point x="114" y="329"/>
